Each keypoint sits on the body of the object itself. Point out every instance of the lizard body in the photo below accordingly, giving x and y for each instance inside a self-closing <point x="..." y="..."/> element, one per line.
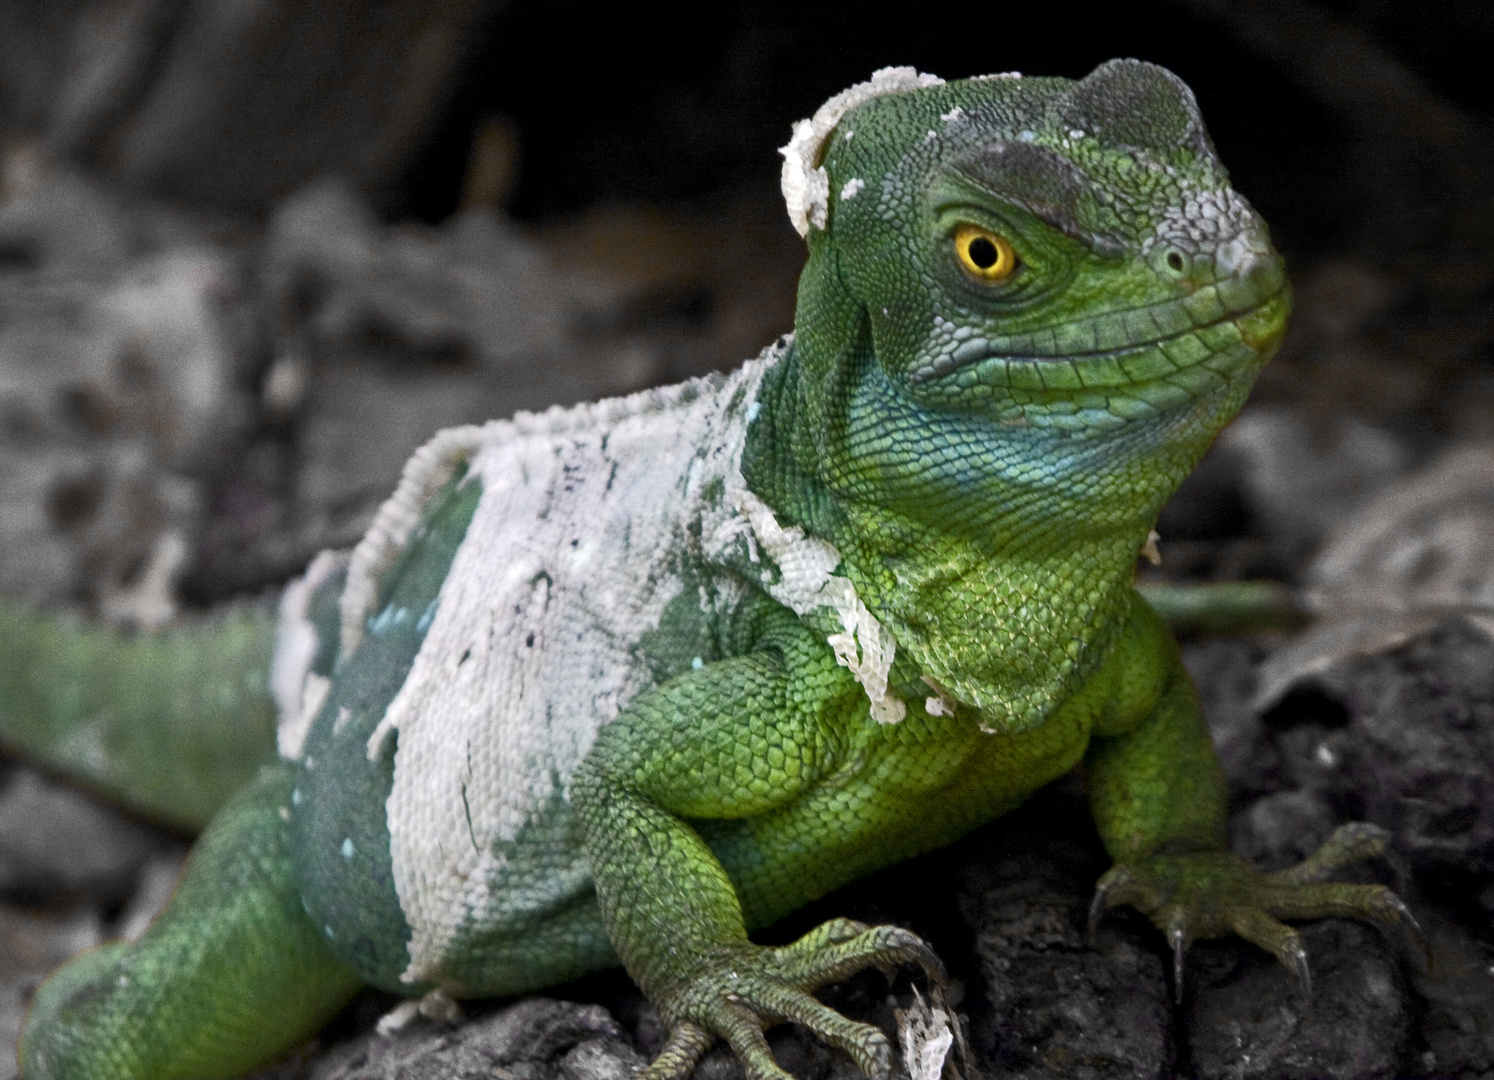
<point x="624" y="681"/>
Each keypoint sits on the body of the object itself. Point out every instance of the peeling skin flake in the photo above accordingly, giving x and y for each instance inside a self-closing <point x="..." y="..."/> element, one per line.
<point x="864" y="645"/>
<point x="852" y="189"/>
<point x="925" y="1036"/>
<point x="298" y="691"/>
<point x="806" y="185"/>
<point x="428" y="469"/>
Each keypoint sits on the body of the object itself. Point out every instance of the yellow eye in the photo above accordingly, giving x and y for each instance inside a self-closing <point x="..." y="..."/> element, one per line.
<point x="984" y="255"/>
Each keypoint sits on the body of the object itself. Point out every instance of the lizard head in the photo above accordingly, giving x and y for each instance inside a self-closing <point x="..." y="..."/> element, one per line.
<point x="1043" y="253"/>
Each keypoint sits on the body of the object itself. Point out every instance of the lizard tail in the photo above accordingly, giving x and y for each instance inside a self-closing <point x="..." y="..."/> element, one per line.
<point x="169" y="724"/>
<point x="229" y="977"/>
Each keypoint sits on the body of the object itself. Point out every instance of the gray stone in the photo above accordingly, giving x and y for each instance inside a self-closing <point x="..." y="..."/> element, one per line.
<point x="1246" y="1018"/>
<point x="120" y="387"/>
<point x="536" y="1039"/>
<point x="1413" y="750"/>
<point x="56" y="841"/>
<point x="1061" y="1005"/>
<point x="1457" y="990"/>
<point x="1281" y="829"/>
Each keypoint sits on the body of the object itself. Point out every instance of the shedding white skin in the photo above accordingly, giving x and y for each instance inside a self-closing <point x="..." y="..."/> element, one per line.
<point x="806" y="184"/>
<point x="572" y="554"/>
<point x="427" y="471"/>
<point x="807" y="583"/>
<point x="568" y="562"/>
<point x="298" y="691"/>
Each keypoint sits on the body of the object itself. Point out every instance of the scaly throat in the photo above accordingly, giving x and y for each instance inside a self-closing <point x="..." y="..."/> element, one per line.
<point x="1011" y="634"/>
<point x="1001" y="559"/>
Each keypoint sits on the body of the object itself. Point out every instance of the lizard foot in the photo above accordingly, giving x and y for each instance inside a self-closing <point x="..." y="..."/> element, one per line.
<point x="739" y="992"/>
<point x="1212" y="894"/>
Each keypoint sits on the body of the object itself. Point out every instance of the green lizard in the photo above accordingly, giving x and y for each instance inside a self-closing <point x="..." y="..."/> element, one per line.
<point x="626" y="681"/>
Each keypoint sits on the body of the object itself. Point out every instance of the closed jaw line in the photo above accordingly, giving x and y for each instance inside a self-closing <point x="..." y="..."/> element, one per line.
<point x="1201" y="312"/>
<point x="1102" y="390"/>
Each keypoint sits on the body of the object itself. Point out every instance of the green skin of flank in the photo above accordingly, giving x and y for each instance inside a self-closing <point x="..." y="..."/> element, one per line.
<point x="988" y="458"/>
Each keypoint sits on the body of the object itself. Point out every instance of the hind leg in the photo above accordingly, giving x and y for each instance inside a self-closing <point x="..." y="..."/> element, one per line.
<point x="230" y="976"/>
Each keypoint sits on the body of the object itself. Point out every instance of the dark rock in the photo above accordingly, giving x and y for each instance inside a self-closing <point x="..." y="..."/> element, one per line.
<point x="1457" y="990"/>
<point x="234" y="107"/>
<point x="536" y="1039"/>
<point x="1061" y="1005"/>
<point x="1245" y="1017"/>
<point x="57" y="842"/>
<point x="800" y="1054"/>
<point x="1416" y="755"/>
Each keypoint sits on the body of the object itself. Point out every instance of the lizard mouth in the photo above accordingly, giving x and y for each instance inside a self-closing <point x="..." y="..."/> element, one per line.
<point x="1103" y="389"/>
<point x="1194" y="330"/>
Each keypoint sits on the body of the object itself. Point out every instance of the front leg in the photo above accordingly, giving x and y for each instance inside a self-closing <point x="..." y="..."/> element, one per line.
<point x="736" y="739"/>
<point x="1159" y="799"/>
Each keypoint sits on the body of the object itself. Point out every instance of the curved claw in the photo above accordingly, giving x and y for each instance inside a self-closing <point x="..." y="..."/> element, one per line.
<point x="1403" y="920"/>
<point x="815" y="961"/>
<point x="1295" y="961"/>
<point x="739" y="993"/>
<point x="1098" y="905"/>
<point x="1179" y="941"/>
<point x="1117" y="886"/>
<point x="1256" y="925"/>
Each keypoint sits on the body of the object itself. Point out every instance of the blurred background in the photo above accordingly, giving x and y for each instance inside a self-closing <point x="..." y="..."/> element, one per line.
<point x="253" y="252"/>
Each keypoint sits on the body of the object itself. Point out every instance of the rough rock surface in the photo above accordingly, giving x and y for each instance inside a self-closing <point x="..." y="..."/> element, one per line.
<point x="1244" y="1020"/>
<point x="56" y="842"/>
<point x="1062" y="1003"/>
<point x="536" y="1039"/>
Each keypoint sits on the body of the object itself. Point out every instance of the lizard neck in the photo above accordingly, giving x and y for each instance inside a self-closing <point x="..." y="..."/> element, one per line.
<point x="1001" y="557"/>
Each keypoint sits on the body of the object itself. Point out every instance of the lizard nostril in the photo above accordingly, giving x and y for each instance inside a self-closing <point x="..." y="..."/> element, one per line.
<point x="1175" y="262"/>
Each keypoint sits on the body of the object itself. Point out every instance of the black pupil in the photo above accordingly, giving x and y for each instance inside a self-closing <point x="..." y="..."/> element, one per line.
<point x="983" y="253"/>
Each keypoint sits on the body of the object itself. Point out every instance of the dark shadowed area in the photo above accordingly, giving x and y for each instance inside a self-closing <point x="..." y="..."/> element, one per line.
<point x="253" y="254"/>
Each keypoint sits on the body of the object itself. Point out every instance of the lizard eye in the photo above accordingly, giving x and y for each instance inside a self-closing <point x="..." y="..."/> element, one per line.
<point x="984" y="255"/>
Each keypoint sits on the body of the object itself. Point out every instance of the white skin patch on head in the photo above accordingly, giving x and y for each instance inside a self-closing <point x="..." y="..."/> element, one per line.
<point x="806" y="185"/>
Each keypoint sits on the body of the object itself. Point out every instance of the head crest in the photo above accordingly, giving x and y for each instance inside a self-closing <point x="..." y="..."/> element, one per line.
<point x="1133" y="103"/>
